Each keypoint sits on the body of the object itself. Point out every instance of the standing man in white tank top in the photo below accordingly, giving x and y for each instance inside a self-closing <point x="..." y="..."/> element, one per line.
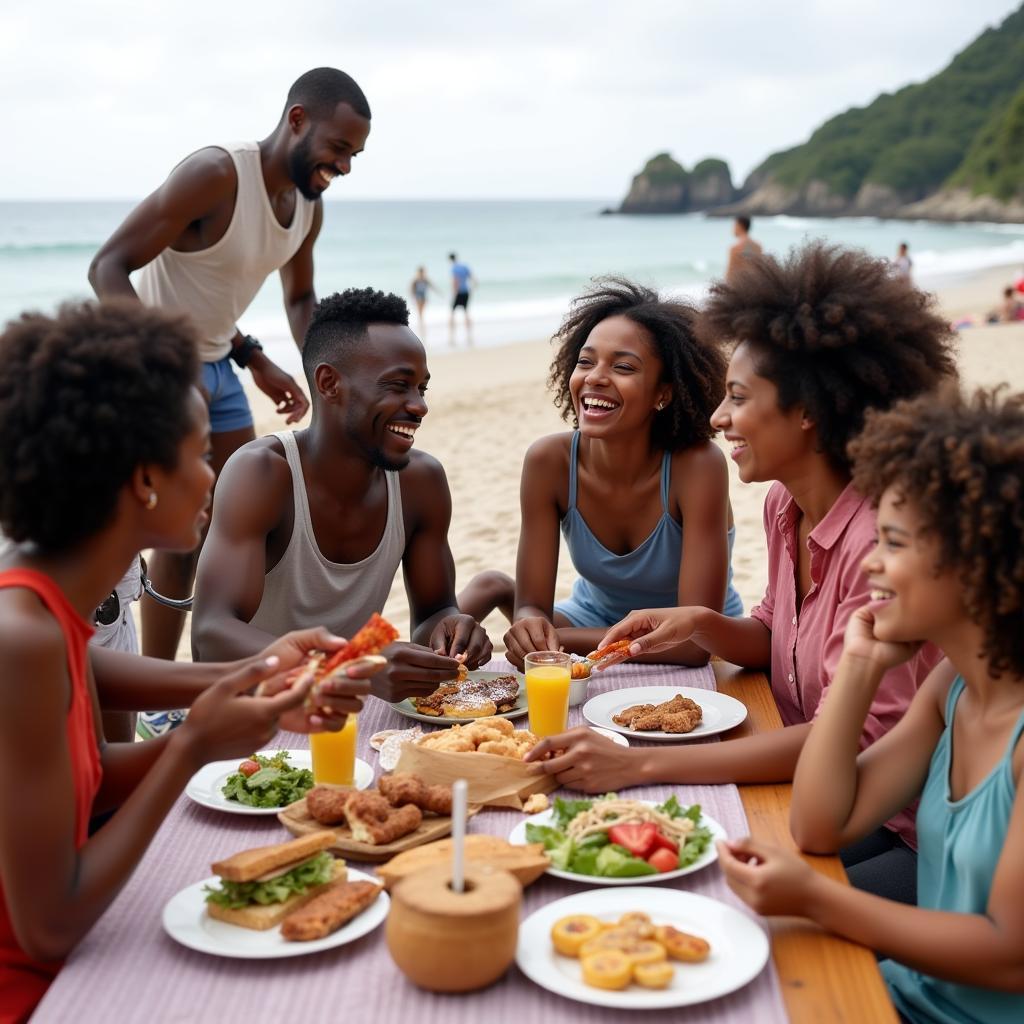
<point x="312" y="526"/>
<point x="206" y="240"/>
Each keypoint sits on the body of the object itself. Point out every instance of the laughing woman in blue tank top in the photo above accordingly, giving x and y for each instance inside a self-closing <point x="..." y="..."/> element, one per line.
<point x="639" y="490"/>
<point x="948" y="567"/>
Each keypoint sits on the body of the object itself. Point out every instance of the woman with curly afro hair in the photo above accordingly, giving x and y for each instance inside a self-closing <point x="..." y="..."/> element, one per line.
<point x="816" y="340"/>
<point x="947" y="476"/>
<point x="105" y="439"/>
<point x="638" y="488"/>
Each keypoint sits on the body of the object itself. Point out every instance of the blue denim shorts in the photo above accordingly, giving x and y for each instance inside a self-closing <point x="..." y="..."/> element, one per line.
<point x="229" y="408"/>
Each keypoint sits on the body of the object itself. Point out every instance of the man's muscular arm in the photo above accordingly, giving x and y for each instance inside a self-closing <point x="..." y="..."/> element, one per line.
<point x="429" y="568"/>
<point x="297" y="282"/>
<point x="193" y="191"/>
<point x="252" y="491"/>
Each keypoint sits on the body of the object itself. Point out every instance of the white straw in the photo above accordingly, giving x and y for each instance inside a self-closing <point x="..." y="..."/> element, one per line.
<point x="459" y="798"/>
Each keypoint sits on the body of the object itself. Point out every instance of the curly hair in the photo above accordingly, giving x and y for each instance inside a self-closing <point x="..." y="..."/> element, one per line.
<point x="960" y="462"/>
<point x="695" y="370"/>
<point x="342" y="319"/>
<point x="87" y="396"/>
<point x="835" y="332"/>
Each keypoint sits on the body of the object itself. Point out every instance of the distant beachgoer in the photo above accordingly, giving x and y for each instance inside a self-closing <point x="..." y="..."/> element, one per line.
<point x="1009" y="310"/>
<point x="903" y="264"/>
<point x="462" y="282"/>
<point x="745" y="247"/>
<point x="418" y="288"/>
<point x="207" y="239"/>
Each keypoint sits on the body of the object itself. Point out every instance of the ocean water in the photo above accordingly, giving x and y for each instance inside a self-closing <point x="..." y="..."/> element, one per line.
<point x="529" y="257"/>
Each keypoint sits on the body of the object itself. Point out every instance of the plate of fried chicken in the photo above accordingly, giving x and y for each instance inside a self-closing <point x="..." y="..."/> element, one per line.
<point x="665" y="713"/>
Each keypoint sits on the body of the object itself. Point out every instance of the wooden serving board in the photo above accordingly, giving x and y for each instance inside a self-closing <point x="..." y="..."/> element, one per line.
<point x="297" y="819"/>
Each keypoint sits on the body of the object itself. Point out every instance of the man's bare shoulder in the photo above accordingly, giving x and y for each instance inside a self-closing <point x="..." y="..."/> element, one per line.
<point x="257" y="474"/>
<point x="210" y="170"/>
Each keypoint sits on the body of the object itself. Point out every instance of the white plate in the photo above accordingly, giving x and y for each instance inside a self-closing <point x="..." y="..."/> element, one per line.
<point x="406" y="707"/>
<point x="186" y="921"/>
<point x="205" y="786"/>
<point x="615" y="737"/>
<point x="720" y="712"/>
<point x="518" y="838"/>
<point x="739" y="947"/>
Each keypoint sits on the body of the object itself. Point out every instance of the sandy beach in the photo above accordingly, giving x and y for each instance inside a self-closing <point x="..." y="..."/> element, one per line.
<point x="488" y="404"/>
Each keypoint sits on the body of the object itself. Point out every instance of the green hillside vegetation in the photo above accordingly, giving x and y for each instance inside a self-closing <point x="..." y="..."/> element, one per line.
<point x="917" y="139"/>
<point x="995" y="163"/>
<point x="710" y="167"/>
<point x="663" y="170"/>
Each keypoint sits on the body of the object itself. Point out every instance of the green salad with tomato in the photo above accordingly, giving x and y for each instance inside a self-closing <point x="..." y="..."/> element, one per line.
<point x="613" y="838"/>
<point x="268" y="781"/>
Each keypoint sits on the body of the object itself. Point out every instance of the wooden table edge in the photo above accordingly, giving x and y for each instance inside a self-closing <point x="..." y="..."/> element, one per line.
<point x="823" y="978"/>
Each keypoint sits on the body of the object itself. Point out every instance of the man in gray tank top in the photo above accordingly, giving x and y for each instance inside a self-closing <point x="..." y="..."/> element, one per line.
<point x="311" y="527"/>
<point x="205" y="242"/>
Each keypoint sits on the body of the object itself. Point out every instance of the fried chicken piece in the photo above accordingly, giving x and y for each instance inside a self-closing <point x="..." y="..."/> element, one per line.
<point x="504" y="747"/>
<point x="620" y="647"/>
<point x="502" y="725"/>
<point x="406" y="788"/>
<point x="327" y="805"/>
<point x="327" y="912"/>
<point x="374" y="821"/>
<point x="681" y="721"/>
<point x="452" y="742"/>
<point x="626" y="716"/>
<point x="678" y="703"/>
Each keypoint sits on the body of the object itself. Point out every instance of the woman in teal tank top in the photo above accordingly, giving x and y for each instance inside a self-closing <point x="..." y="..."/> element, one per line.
<point x="639" y="490"/>
<point x="948" y="476"/>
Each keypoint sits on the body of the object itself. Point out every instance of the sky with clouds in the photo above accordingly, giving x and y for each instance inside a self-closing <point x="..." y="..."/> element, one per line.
<point x="470" y="98"/>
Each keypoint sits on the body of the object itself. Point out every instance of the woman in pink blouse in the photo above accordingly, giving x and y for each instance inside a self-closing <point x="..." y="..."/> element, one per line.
<point x="819" y="338"/>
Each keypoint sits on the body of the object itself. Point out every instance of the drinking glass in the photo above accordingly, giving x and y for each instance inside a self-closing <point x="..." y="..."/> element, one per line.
<point x="547" y="691"/>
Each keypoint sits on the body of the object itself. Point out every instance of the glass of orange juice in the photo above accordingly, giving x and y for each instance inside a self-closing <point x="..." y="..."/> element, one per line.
<point x="334" y="754"/>
<point x="547" y="691"/>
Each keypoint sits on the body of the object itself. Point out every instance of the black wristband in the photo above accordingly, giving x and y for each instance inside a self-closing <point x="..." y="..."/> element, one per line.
<point x="242" y="354"/>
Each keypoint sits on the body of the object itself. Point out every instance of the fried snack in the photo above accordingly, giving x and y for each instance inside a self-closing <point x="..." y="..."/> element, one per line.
<point x="374" y="821"/>
<point x="405" y="788"/>
<point x="486" y="736"/>
<point x="679" y="945"/>
<point x="535" y="803"/>
<point x="327" y="912"/>
<point x="327" y="805"/>
<point x="568" y="934"/>
<point x="638" y="923"/>
<point x="646" y="951"/>
<point x="657" y="974"/>
<point x="626" y="716"/>
<point x="678" y="715"/>
<point x="619" y="647"/>
<point x="609" y="969"/>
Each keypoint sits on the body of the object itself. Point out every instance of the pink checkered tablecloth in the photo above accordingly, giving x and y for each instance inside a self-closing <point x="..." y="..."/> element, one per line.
<point x="128" y="970"/>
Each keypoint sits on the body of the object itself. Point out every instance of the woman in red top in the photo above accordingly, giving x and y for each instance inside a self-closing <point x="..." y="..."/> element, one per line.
<point x="104" y="440"/>
<point x="819" y="339"/>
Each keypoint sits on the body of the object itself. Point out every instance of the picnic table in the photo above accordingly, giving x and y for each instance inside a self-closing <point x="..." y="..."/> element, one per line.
<point x="127" y="969"/>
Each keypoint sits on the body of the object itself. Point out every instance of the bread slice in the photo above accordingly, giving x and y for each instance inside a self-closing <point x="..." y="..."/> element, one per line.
<point x="250" y="864"/>
<point x="260" y="917"/>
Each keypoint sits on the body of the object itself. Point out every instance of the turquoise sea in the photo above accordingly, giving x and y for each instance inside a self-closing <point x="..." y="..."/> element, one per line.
<point x="529" y="257"/>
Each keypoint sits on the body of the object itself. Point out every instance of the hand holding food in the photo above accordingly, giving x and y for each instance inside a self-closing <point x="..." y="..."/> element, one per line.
<point x="651" y="630"/>
<point x="462" y="634"/>
<point x="585" y="760"/>
<point x="268" y="781"/>
<point x="633" y="949"/>
<point x="225" y="721"/>
<point x="412" y="671"/>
